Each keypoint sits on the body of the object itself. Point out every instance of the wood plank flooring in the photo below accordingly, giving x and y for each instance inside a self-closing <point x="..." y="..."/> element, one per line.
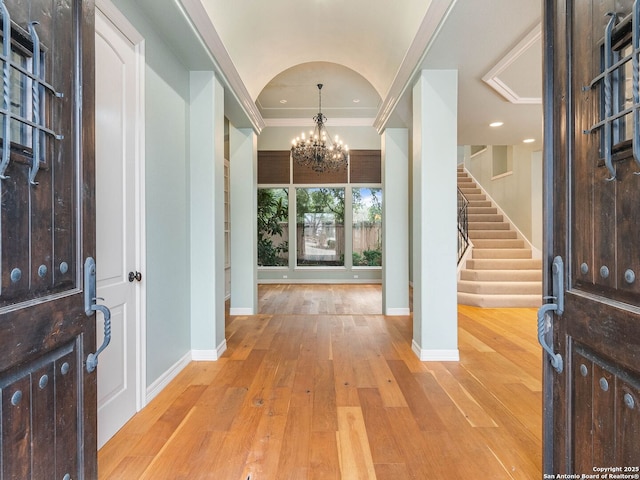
<point x="321" y="386"/>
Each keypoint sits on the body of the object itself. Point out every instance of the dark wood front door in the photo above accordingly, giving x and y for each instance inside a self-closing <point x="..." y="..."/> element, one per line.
<point x="48" y="398"/>
<point x="592" y="160"/>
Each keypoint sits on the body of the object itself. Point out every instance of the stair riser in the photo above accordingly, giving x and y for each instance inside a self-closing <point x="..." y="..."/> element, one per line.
<point x="497" y="253"/>
<point x="472" y="197"/>
<point x="498" y="243"/>
<point x="479" y="203"/>
<point x="502" y="275"/>
<point x="482" y="210"/>
<point x="504" y="264"/>
<point x="488" y="226"/>
<point x="494" y="217"/>
<point x="492" y="234"/>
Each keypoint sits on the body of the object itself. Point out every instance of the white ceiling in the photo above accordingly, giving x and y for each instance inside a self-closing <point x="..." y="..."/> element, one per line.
<point x="370" y="51"/>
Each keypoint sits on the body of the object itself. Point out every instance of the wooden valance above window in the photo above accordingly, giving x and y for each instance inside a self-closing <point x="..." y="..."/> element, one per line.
<point x="274" y="168"/>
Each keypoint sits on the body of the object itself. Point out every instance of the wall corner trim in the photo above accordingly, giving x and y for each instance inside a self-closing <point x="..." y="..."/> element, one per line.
<point x="398" y="312"/>
<point x="427" y="355"/>
<point x="209" y="355"/>
<point x="241" y="311"/>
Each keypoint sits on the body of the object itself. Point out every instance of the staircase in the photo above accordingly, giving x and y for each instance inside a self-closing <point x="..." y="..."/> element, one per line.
<point x="500" y="271"/>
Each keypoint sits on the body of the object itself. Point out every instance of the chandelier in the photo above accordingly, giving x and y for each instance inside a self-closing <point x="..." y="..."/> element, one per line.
<point x="318" y="151"/>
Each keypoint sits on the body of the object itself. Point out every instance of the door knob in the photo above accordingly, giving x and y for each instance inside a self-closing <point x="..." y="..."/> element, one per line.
<point x="135" y="276"/>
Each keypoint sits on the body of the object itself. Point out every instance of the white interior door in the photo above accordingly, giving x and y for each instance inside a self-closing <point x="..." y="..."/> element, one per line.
<point x="117" y="119"/>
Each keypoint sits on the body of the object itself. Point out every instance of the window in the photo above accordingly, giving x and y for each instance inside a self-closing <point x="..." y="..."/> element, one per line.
<point x="273" y="227"/>
<point x="26" y="134"/>
<point x="21" y="97"/>
<point x="477" y="149"/>
<point x="500" y="160"/>
<point x="320" y="226"/>
<point x="616" y="100"/>
<point x="337" y="215"/>
<point x="367" y="227"/>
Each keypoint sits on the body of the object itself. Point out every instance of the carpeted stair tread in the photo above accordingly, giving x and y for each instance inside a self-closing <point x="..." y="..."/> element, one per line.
<point x="500" y="288"/>
<point x="499" y="301"/>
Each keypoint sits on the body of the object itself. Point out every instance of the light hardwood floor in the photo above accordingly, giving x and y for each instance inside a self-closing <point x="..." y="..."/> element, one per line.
<point x="321" y="386"/>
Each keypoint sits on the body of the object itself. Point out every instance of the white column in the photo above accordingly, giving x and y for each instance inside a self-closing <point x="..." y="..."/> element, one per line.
<point x="395" y="221"/>
<point x="435" y="320"/>
<point x="243" y="163"/>
<point x="206" y="142"/>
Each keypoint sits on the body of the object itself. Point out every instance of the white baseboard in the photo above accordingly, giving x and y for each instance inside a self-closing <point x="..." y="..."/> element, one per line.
<point x="209" y="355"/>
<point x="194" y="355"/>
<point x="241" y="311"/>
<point x="398" y="312"/>
<point x="156" y="387"/>
<point x="435" y="355"/>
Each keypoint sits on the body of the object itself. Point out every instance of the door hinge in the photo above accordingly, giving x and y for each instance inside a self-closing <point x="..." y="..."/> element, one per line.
<point x="557" y="269"/>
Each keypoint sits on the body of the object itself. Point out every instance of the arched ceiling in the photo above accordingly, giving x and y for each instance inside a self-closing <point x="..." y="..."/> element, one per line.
<point x="265" y="38"/>
<point x="294" y="93"/>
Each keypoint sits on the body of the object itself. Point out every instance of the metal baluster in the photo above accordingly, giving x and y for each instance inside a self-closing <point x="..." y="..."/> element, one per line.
<point x="35" y="91"/>
<point x="6" y="90"/>
<point x="636" y="82"/>
<point x="608" y="62"/>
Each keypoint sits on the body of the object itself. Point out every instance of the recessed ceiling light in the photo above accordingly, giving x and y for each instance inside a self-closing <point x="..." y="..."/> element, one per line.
<point x="356" y="100"/>
<point x="528" y="140"/>
<point x="496" y="124"/>
<point x="283" y="101"/>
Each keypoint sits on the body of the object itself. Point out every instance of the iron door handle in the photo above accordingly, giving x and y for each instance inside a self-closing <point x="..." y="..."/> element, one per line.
<point x="558" y="307"/>
<point x="90" y="307"/>
<point x="92" y="358"/>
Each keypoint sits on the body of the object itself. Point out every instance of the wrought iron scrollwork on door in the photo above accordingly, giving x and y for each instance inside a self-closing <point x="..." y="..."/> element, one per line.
<point x="611" y="79"/>
<point x="33" y="75"/>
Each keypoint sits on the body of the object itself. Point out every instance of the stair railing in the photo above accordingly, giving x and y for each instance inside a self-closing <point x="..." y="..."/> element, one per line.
<point x="463" y="224"/>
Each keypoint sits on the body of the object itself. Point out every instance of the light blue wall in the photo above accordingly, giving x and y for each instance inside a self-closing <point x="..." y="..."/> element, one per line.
<point x="167" y="208"/>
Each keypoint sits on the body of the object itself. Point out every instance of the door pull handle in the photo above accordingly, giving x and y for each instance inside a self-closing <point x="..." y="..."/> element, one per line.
<point x="90" y="307"/>
<point x="558" y="307"/>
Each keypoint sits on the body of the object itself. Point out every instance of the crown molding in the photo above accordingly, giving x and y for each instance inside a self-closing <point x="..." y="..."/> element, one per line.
<point x="307" y="122"/>
<point x="432" y="22"/>
<point x="225" y="69"/>
<point x="492" y="78"/>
